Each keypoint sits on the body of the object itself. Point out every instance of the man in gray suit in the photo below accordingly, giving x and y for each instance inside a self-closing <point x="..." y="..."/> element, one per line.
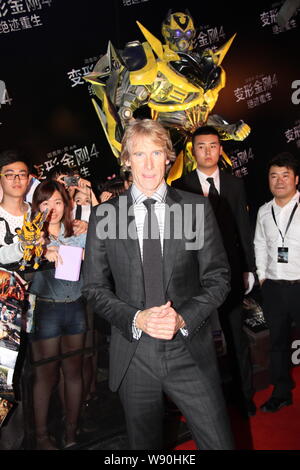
<point x="159" y="299"/>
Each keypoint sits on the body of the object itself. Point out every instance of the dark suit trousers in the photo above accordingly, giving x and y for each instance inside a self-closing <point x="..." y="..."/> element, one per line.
<point x="166" y="366"/>
<point x="238" y="351"/>
<point x="281" y="307"/>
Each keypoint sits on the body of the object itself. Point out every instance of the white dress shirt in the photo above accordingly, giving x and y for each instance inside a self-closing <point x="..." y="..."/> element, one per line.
<point x="140" y="211"/>
<point x="205" y="184"/>
<point x="85" y="212"/>
<point x="267" y="240"/>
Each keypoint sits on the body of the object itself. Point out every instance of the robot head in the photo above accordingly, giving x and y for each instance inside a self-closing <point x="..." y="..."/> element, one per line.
<point x="178" y="31"/>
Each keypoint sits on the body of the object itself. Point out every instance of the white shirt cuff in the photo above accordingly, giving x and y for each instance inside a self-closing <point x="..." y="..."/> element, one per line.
<point x="251" y="281"/>
<point x="136" y="332"/>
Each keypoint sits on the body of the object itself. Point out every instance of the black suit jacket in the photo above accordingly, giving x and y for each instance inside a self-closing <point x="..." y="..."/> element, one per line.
<point x="196" y="281"/>
<point x="233" y="220"/>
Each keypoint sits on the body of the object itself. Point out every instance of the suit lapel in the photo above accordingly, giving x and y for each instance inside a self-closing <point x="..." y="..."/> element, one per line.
<point x="194" y="184"/>
<point x="223" y="183"/>
<point x="130" y="241"/>
<point x="170" y="244"/>
<point x="226" y="184"/>
<point x="225" y="193"/>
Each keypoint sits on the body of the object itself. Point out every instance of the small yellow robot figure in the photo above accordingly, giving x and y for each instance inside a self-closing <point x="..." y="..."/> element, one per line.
<point x="178" y="84"/>
<point x="29" y="234"/>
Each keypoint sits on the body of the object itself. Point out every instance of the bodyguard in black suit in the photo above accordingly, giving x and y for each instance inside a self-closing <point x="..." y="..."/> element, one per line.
<point x="159" y="307"/>
<point x="227" y="196"/>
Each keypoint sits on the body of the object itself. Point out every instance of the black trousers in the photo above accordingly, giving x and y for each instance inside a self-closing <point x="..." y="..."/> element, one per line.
<point x="281" y="306"/>
<point x="166" y="366"/>
<point x="238" y="351"/>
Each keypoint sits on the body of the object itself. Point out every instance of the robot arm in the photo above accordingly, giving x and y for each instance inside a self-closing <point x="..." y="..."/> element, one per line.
<point x="115" y="96"/>
<point x="237" y="131"/>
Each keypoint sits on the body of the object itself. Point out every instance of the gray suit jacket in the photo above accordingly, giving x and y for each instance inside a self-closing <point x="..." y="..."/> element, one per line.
<point x="196" y="281"/>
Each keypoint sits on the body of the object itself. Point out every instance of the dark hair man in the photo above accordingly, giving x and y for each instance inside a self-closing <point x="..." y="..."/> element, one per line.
<point x="277" y="251"/>
<point x="227" y="196"/>
<point x="14" y="179"/>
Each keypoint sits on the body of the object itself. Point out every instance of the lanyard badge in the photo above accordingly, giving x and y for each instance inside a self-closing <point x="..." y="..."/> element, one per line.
<point x="282" y="254"/>
<point x="282" y="251"/>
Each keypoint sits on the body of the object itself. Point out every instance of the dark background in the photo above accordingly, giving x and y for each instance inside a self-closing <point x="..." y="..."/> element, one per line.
<point x="49" y="115"/>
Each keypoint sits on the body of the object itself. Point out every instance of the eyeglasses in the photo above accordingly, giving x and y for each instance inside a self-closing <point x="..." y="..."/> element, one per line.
<point x="13" y="176"/>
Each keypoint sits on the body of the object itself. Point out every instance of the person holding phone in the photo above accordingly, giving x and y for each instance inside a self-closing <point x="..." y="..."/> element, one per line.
<point x="59" y="318"/>
<point x="75" y="186"/>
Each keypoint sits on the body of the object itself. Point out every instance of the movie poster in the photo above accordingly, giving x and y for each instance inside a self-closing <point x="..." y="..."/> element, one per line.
<point x="12" y="296"/>
<point x="5" y="407"/>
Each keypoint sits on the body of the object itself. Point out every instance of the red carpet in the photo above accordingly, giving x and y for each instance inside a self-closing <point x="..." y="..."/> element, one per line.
<point x="266" y="431"/>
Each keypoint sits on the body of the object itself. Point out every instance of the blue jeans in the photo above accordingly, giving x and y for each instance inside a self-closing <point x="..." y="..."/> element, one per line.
<point x="53" y="319"/>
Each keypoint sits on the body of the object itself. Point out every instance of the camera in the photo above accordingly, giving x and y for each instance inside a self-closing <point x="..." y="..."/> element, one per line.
<point x="71" y="180"/>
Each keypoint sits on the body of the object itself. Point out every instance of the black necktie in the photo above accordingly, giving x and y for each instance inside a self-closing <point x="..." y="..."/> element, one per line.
<point x="152" y="258"/>
<point x="213" y="194"/>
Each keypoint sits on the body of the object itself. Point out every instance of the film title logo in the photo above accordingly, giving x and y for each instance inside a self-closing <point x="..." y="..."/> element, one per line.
<point x="296" y="94"/>
<point x="296" y="353"/>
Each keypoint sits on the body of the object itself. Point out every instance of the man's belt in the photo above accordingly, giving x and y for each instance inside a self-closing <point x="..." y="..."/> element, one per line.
<point x="285" y="282"/>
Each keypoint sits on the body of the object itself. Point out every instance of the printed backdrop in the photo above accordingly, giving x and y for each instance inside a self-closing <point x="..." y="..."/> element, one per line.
<point x="47" y="46"/>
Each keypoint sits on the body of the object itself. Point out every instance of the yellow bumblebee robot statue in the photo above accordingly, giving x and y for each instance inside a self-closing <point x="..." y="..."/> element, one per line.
<point x="180" y="86"/>
<point x="29" y="235"/>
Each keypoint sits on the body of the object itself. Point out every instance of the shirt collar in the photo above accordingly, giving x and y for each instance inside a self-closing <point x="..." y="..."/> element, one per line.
<point x="203" y="176"/>
<point x="159" y="195"/>
<point x="295" y="199"/>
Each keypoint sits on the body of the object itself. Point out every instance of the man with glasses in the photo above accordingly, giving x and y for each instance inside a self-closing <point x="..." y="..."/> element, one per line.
<point x="14" y="179"/>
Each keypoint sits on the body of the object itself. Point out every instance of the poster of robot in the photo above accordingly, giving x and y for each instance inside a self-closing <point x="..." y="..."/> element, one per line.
<point x="11" y="300"/>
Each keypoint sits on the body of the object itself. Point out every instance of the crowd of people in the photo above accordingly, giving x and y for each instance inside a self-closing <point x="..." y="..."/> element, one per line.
<point x="63" y="321"/>
<point x="155" y="289"/>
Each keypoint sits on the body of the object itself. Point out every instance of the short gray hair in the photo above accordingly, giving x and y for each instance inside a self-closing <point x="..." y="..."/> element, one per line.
<point x="147" y="128"/>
